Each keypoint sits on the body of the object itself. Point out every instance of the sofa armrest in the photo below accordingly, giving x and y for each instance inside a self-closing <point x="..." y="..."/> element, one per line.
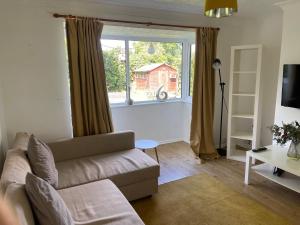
<point x="92" y="145"/>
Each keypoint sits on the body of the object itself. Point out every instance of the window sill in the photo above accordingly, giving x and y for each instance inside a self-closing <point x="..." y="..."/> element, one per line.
<point x="145" y="103"/>
<point x="188" y="100"/>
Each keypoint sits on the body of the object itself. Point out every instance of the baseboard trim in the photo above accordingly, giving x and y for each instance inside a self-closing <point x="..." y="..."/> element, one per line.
<point x="187" y="141"/>
<point x="171" y="141"/>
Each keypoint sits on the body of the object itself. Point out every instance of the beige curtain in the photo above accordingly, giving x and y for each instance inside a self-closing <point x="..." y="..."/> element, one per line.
<point x="201" y="137"/>
<point x="89" y="100"/>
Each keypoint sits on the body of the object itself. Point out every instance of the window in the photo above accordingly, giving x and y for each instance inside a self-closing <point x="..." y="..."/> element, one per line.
<point x="151" y="64"/>
<point x="192" y="69"/>
<point x="173" y="75"/>
<point x="114" y="64"/>
<point x="143" y="63"/>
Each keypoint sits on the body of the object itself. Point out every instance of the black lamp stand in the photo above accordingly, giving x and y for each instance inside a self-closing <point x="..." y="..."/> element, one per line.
<point x="221" y="151"/>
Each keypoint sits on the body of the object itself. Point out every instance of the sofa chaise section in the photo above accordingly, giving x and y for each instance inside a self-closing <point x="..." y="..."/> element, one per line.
<point x="110" y="156"/>
<point x="99" y="203"/>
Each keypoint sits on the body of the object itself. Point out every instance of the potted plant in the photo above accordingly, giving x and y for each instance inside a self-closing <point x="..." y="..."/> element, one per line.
<point x="288" y="132"/>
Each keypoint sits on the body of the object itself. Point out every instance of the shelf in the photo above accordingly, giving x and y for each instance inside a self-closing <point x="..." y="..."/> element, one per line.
<point x="246" y="47"/>
<point x="244" y="94"/>
<point x="243" y="136"/>
<point x="244" y="72"/>
<point x="286" y="179"/>
<point x="238" y="156"/>
<point x="246" y="116"/>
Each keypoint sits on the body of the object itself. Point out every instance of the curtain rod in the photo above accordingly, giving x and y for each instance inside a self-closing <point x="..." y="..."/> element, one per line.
<point x="56" y="15"/>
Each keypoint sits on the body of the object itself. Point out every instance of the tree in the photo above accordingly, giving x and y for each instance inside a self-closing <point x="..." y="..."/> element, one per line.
<point x="169" y="53"/>
<point x="114" y="70"/>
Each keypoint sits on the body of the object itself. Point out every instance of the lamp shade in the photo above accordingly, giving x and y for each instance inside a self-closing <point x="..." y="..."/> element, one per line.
<point x="220" y="8"/>
<point x="151" y="49"/>
<point x="217" y="64"/>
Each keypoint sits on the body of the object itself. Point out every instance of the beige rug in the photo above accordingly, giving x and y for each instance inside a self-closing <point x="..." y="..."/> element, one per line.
<point x="203" y="200"/>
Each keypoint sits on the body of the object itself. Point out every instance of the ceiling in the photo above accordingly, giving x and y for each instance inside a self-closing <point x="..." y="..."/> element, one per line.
<point x="247" y="8"/>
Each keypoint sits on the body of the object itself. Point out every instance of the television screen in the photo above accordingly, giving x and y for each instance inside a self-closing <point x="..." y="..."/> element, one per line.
<point x="291" y="86"/>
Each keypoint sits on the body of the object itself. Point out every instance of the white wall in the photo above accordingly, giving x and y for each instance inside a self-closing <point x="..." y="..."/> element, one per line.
<point x="266" y="31"/>
<point x="162" y="122"/>
<point x="270" y="35"/>
<point x="34" y="68"/>
<point x="34" y="71"/>
<point x="3" y="138"/>
<point x="290" y="54"/>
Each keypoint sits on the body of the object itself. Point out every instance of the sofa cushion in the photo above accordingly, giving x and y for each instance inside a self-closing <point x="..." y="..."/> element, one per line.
<point x="123" y="168"/>
<point x="42" y="161"/>
<point x="47" y="204"/>
<point x="17" y="198"/>
<point x="99" y="202"/>
<point x="15" y="168"/>
<point x="86" y="146"/>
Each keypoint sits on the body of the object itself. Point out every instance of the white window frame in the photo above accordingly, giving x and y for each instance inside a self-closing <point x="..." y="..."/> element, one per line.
<point x="185" y="64"/>
<point x="189" y="97"/>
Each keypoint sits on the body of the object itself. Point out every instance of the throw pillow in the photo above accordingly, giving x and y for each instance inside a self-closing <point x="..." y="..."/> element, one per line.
<point x="48" y="206"/>
<point x="42" y="161"/>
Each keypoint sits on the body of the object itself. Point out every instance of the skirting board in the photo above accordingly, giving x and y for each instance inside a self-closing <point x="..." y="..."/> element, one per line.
<point x="171" y="141"/>
<point x="188" y="141"/>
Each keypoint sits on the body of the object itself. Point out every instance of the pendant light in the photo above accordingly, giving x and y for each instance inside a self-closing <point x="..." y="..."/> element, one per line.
<point x="151" y="49"/>
<point x="220" y="8"/>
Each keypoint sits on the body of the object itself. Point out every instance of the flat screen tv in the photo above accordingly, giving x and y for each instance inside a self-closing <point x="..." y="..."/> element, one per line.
<point x="291" y="86"/>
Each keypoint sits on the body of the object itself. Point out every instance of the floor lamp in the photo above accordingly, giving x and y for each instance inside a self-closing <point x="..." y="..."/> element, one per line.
<point x="217" y="66"/>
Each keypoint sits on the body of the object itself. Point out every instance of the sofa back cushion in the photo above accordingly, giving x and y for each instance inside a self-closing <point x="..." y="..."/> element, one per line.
<point x="92" y="145"/>
<point x="47" y="204"/>
<point x="42" y="161"/>
<point x="21" y="141"/>
<point x="17" y="198"/>
<point x="15" y="168"/>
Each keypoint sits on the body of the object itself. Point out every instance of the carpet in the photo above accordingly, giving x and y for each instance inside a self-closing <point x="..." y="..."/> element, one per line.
<point x="203" y="200"/>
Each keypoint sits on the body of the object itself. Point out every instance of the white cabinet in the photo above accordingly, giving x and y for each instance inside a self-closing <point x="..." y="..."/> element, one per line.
<point x="244" y="116"/>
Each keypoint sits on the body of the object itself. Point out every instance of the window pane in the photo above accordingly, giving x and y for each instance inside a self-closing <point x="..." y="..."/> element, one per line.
<point x="155" y="66"/>
<point x="192" y="68"/>
<point x="114" y="64"/>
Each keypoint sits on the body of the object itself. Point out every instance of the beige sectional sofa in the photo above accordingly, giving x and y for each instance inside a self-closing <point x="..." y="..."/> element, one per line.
<point x="98" y="175"/>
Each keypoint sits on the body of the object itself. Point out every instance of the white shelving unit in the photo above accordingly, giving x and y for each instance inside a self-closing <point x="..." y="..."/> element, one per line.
<point x="244" y="101"/>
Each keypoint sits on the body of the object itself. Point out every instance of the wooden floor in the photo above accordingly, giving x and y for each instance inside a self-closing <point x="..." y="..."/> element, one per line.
<point x="178" y="161"/>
